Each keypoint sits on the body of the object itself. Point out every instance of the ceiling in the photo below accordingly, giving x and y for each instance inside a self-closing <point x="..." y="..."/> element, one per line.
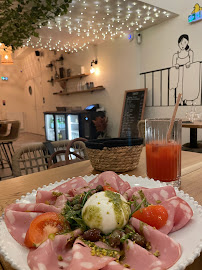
<point x="94" y="21"/>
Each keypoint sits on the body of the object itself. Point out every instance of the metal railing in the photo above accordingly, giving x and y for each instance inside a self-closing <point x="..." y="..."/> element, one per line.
<point x="166" y="72"/>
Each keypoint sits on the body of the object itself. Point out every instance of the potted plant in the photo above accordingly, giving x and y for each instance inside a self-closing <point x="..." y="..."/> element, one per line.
<point x="20" y="19"/>
<point x="101" y="126"/>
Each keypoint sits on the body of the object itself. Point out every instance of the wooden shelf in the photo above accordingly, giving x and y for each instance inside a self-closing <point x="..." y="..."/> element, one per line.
<point x="72" y="77"/>
<point x="99" y="88"/>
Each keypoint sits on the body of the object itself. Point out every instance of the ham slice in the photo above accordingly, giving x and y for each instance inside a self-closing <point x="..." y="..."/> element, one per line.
<point x="112" y="179"/>
<point x="74" y="183"/>
<point x="83" y="260"/>
<point x="52" y="254"/>
<point x="70" y="188"/>
<point x="44" y="196"/>
<point x="139" y="258"/>
<point x="33" y="207"/>
<point x="129" y="193"/>
<point x="61" y="202"/>
<point x="48" y="197"/>
<point x="179" y="213"/>
<point x="19" y="216"/>
<point x="114" y="266"/>
<point x="18" y="223"/>
<point x="156" y="195"/>
<point x="169" y="250"/>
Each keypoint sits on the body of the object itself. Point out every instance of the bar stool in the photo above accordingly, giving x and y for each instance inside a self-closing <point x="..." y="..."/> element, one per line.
<point x="3" y="132"/>
<point x="6" y="141"/>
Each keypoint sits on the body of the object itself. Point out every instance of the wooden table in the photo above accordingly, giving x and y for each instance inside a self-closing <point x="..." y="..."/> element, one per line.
<point x="193" y="133"/>
<point x="14" y="188"/>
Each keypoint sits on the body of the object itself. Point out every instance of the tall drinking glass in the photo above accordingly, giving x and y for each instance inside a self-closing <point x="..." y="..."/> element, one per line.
<point x="163" y="155"/>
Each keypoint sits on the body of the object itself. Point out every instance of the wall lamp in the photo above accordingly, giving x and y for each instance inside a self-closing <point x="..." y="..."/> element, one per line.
<point x="92" y="70"/>
<point x="60" y="59"/>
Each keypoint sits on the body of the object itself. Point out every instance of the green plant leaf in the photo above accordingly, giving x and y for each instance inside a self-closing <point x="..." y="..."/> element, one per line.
<point x="21" y="18"/>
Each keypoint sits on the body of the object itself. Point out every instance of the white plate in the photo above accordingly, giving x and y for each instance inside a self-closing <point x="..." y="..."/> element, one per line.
<point x="189" y="237"/>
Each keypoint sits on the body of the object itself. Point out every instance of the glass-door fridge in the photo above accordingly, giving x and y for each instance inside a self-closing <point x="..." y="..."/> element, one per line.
<point x="68" y="126"/>
<point x="73" y="126"/>
<point x="50" y="127"/>
<point x="60" y="127"/>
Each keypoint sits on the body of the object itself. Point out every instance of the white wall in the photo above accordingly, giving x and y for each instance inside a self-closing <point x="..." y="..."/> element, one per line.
<point x="12" y="91"/>
<point x="117" y="61"/>
<point x="161" y="42"/>
<point x="117" y="64"/>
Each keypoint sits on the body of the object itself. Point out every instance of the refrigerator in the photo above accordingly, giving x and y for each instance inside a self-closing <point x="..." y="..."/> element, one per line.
<point x="60" y="129"/>
<point x="49" y="127"/>
<point x="73" y="126"/>
<point x="69" y="126"/>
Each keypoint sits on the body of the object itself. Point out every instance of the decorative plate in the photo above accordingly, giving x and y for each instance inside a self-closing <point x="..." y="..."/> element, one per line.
<point x="189" y="236"/>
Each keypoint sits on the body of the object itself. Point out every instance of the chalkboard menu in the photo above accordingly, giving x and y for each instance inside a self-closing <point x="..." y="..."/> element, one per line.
<point x="133" y="111"/>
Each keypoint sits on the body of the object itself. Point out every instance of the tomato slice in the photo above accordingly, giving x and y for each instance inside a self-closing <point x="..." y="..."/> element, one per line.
<point x="109" y="188"/>
<point x="42" y="226"/>
<point x="153" y="215"/>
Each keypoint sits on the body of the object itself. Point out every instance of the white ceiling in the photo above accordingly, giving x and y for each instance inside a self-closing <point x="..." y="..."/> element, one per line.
<point x="94" y="21"/>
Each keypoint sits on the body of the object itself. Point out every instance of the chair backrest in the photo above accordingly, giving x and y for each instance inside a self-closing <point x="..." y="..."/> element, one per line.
<point x="3" y="129"/>
<point x="13" y="134"/>
<point x="34" y="157"/>
<point x="29" y="159"/>
<point x="75" y="151"/>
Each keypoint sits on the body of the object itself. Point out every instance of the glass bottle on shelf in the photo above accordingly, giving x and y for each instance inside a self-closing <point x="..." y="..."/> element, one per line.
<point x="60" y="135"/>
<point x="63" y="124"/>
<point x="58" y="121"/>
<point x="56" y="75"/>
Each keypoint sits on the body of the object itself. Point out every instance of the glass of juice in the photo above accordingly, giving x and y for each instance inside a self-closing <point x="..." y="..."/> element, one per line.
<point x="163" y="155"/>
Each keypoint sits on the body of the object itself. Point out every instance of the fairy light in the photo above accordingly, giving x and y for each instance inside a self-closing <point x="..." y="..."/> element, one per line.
<point x="86" y="23"/>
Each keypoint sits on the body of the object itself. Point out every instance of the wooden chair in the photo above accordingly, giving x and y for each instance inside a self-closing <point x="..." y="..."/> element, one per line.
<point x="34" y="157"/>
<point x="75" y="151"/>
<point x="6" y="141"/>
<point x="3" y="129"/>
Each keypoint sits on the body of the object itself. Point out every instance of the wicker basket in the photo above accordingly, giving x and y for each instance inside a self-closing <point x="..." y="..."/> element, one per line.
<point x="118" y="154"/>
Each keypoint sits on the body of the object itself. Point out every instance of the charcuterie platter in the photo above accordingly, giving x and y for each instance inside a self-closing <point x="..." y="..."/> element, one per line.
<point x="184" y="233"/>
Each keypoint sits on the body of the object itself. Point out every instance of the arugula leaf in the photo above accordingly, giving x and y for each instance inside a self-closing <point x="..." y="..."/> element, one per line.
<point x="138" y="207"/>
<point x="142" y="196"/>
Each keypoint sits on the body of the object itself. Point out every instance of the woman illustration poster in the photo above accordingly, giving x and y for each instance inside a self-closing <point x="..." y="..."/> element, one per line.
<point x="185" y="56"/>
<point x="185" y="73"/>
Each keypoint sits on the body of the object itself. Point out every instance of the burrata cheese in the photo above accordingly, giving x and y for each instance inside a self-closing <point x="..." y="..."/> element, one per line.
<point x="107" y="211"/>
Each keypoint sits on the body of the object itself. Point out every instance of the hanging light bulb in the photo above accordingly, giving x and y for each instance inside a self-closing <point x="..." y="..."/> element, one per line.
<point x="92" y="70"/>
<point x="5" y="53"/>
<point x="6" y="58"/>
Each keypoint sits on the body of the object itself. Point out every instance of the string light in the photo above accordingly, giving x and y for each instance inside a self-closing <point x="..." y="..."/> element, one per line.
<point x="92" y="24"/>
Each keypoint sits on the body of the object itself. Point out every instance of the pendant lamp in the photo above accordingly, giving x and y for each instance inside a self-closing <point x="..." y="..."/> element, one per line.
<point x="6" y="58"/>
<point x="5" y="52"/>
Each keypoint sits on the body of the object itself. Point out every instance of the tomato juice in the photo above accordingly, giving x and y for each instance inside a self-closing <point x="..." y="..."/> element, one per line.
<point x="163" y="160"/>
